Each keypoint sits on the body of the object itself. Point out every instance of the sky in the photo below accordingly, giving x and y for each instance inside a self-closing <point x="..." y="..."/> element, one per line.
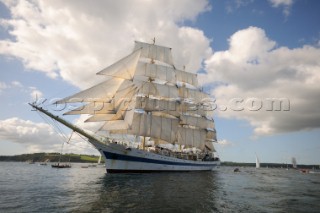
<point x="259" y="61"/>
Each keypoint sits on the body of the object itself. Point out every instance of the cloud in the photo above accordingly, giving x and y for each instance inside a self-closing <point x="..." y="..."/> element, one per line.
<point x="35" y="136"/>
<point x="74" y="40"/>
<point x="18" y="88"/>
<point x="277" y="3"/>
<point x="224" y="143"/>
<point x="254" y="70"/>
<point x="286" y="4"/>
<point x="39" y="137"/>
<point x="16" y="84"/>
<point x="232" y="6"/>
<point x="10" y="85"/>
<point x="35" y="94"/>
<point x="3" y="86"/>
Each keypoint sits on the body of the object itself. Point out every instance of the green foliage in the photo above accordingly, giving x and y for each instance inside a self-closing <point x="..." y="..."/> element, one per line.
<point x="53" y="157"/>
<point x="89" y="158"/>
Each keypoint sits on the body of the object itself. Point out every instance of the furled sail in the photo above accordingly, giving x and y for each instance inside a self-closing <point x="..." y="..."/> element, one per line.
<point x="145" y="95"/>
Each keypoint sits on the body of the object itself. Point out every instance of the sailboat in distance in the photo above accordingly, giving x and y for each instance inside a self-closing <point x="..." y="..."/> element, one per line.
<point x="294" y="163"/>
<point x="99" y="160"/>
<point x="257" y="162"/>
<point x="154" y="116"/>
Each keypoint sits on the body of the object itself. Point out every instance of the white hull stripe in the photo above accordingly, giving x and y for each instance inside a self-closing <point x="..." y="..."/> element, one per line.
<point x="115" y="156"/>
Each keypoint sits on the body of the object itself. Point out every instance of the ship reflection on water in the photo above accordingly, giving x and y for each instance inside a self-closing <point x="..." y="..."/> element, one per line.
<point x="158" y="192"/>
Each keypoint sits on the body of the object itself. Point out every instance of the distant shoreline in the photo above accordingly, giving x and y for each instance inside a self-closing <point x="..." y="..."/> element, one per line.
<point x="83" y="158"/>
<point x="52" y="157"/>
<point x="268" y="165"/>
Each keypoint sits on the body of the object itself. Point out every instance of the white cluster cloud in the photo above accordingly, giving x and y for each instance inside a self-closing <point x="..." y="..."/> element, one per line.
<point x="3" y="86"/>
<point x="74" y="40"/>
<point x="255" y="67"/>
<point x="16" y="83"/>
<point x="13" y="84"/>
<point x="232" y="6"/>
<point x="35" y="136"/>
<point x="224" y="143"/>
<point x="35" y="93"/>
<point x="32" y="92"/>
<point x="40" y="137"/>
<point x="277" y="3"/>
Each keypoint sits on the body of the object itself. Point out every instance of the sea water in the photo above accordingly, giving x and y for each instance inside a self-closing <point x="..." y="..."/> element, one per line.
<point x="34" y="188"/>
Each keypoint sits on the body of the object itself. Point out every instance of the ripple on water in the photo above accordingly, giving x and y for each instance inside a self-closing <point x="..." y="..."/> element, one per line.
<point x="30" y="188"/>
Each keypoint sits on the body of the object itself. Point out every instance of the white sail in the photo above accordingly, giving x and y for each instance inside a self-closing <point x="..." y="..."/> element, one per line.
<point x="172" y="107"/>
<point x="154" y="126"/>
<point x="145" y="95"/>
<point x="193" y="95"/>
<point x="155" y="71"/>
<point x="294" y="162"/>
<point x="158" y="90"/>
<point x="166" y="129"/>
<point x="257" y="162"/>
<point x="102" y="117"/>
<point x="99" y="160"/>
<point x="154" y="52"/>
<point x="211" y="135"/>
<point x="199" y="122"/>
<point x="165" y="73"/>
<point x="170" y="92"/>
<point x="186" y="77"/>
<point x="209" y="145"/>
<point x="124" y="68"/>
<point x="101" y="92"/>
<point x="95" y="107"/>
<point x="147" y="109"/>
<point x="191" y="137"/>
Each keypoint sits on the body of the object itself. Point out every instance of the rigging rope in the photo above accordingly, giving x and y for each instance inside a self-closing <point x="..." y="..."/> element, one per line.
<point x="56" y="128"/>
<point x="62" y="135"/>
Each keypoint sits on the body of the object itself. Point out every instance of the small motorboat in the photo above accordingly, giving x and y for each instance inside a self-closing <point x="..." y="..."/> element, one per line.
<point x="61" y="166"/>
<point x="304" y="171"/>
<point x="236" y="170"/>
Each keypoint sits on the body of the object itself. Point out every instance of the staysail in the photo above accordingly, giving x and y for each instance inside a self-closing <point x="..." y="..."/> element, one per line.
<point x="145" y="95"/>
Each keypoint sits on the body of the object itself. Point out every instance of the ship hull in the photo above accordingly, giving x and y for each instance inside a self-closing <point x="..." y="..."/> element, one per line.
<point x="120" y="159"/>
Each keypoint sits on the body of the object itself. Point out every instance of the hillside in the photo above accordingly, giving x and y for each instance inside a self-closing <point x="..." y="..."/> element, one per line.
<point x="53" y="157"/>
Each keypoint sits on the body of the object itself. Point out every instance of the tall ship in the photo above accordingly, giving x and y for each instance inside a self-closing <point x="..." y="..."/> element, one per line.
<point x="151" y="116"/>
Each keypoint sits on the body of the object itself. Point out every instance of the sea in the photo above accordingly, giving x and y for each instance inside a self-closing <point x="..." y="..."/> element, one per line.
<point x="35" y="188"/>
